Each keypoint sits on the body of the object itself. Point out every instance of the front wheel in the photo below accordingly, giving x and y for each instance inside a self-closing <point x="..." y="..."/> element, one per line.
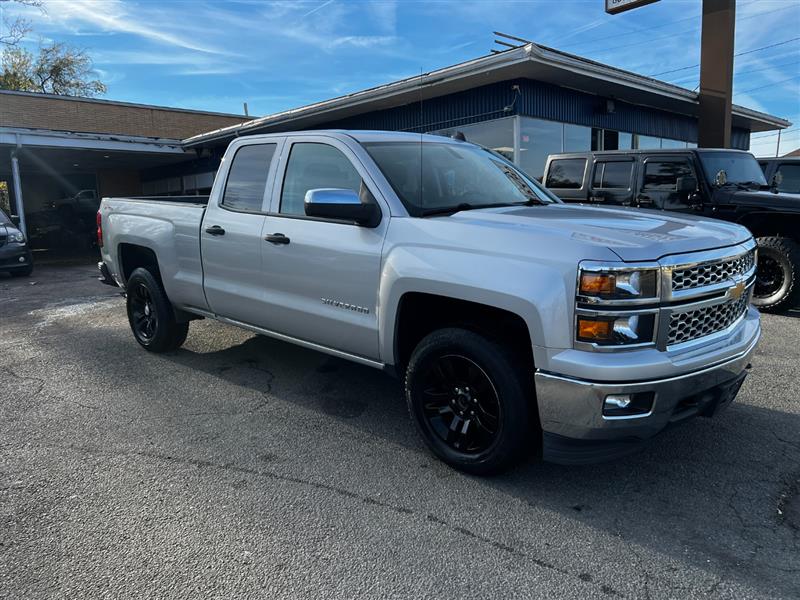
<point x="150" y="314"/>
<point x="467" y="398"/>
<point x="777" y="274"/>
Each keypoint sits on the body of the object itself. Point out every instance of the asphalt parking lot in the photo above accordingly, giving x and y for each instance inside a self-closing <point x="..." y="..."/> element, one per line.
<point x="243" y="467"/>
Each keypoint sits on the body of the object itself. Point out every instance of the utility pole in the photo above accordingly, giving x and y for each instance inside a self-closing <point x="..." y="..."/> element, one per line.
<point x="716" y="73"/>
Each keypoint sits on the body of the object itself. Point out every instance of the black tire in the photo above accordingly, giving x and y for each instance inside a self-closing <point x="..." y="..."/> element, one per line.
<point x="777" y="287"/>
<point x="430" y="396"/>
<point x="150" y="314"/>
<point x="22" y="272"/>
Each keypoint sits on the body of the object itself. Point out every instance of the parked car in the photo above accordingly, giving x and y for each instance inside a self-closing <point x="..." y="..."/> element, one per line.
<point x="520" y="325"/>
<point x="783" y="174"/>
<point x="724" y="184"/>
<point x="15" y="255"/>
<point x="78" y="205"/>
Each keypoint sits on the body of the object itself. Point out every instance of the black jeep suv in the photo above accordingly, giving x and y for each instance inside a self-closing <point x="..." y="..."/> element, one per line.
<point x="724" y="184"/>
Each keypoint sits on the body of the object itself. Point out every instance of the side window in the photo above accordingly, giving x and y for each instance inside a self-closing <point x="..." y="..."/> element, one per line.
<point x="247" y="177"/>
<point x="788" y="178"/>
<point x="763" y="166"/>
<point x="566" y="173"/>
<point x="613" y="175"/>
<point x="313" y="166"/>
<point x="663" y="175"/>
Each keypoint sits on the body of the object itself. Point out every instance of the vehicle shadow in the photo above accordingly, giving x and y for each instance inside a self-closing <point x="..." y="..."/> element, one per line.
<point x="707" y="497"/>
<point x="706" y="494"/>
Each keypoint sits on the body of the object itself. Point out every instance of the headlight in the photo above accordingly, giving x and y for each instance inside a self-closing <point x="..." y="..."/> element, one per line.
<point x="597" y="284"/>
<point x="16" y="236"/>
<point x="616" y="330"/>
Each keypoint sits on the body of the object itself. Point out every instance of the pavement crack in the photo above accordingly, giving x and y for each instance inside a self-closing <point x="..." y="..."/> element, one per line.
<point x="370" y="500"/>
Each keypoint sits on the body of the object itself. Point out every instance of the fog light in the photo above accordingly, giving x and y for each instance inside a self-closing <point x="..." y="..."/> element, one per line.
<point x="622" y="401"/>
<point x="21" y="259"/>
<point x="628" y="405"/>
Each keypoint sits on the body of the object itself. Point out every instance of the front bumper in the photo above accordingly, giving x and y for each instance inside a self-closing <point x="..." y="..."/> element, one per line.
<point x="575" y="430"/>
<point x="14" y="256"/>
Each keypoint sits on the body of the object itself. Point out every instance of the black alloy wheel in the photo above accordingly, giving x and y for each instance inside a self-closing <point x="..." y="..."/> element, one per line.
<point x="461" y="404"/>
<point x="144" y="317"/>
<point x="471" y="401"/>
<point x="151" y="315"/>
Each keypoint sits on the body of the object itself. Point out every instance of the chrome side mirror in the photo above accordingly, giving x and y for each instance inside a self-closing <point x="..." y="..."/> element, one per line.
<point x="341" y="205"/>
<point x="721" y="178"/>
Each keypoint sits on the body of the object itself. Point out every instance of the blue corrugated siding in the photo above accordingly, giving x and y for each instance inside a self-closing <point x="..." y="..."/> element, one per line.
<point x="536" y="99"/>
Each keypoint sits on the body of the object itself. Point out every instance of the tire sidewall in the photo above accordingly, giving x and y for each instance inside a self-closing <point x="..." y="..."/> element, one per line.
<point x="514" y="421"/>
<point x="161" y="305"/>
<point x="780" y="297"/>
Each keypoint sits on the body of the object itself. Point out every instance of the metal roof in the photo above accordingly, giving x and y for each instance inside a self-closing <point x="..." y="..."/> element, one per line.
<point x="531" y="61"/>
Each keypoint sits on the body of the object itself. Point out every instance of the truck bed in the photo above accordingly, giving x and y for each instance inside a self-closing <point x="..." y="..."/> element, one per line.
<point x="170" y="227"/>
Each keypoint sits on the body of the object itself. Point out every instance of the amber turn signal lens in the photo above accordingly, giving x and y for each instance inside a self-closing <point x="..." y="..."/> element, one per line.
<point x="597" y="283"/>
<point x="590" y="330"/>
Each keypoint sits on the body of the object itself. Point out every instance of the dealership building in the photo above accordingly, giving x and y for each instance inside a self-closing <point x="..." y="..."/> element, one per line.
<point x="525" y="102"/>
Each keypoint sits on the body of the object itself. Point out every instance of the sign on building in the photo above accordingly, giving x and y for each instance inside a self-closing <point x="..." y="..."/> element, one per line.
<point x="617" y="6"/>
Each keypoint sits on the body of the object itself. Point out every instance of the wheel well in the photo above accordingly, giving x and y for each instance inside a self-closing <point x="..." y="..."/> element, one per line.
<point x="773" y="224"/>
<point x="132" y="257"/>
<point x="420" y="314"/>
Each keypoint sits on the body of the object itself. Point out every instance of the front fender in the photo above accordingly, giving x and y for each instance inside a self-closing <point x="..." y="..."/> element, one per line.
<point x="538" y="293"/>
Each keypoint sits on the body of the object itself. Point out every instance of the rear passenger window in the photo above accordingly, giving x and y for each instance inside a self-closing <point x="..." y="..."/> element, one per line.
<point x="788" y="178"/>
<point x="612" y="175"/>
<point x="313" y="166"/>
<point x="664" y="175"/>
<point x="247" y="177"/>
<point x="566" y="173"/>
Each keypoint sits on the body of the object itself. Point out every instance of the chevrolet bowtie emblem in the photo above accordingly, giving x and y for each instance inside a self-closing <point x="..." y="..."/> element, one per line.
<point x="736" y="291"/>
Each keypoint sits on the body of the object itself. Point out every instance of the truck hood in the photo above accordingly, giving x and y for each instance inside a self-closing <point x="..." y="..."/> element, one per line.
<point x="632" y="234"/>
<point x="766" y="199"/>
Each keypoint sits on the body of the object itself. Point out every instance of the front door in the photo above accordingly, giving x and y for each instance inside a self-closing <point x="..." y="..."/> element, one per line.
<point x="231" y="235"/>
<point x="658" y="183"/>
<point x="322" y="276"/>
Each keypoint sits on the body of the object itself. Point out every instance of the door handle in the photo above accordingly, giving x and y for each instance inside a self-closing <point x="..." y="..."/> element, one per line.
<point x="215" y="230"/>
<point x="277" y="238"/>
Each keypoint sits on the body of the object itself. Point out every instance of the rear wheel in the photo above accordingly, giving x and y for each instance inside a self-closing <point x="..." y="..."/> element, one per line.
<point x="467" y="398"/>
<point x="150" y="314"/>
<point x="777" y="275"/>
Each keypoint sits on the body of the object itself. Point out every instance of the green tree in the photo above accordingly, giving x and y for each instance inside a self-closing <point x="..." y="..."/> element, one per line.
<point x="58" y="69"/>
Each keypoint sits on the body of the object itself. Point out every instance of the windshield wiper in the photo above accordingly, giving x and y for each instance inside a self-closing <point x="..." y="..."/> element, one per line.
<point x="443" y="210"/>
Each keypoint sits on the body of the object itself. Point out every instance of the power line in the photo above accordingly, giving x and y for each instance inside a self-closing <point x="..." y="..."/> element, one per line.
<point x="740" y="73"/>
<point x="769" y="135"/>
<point x="670" y="35"/>
<point x="761" y="87"/>
<point x="783" y="43"/>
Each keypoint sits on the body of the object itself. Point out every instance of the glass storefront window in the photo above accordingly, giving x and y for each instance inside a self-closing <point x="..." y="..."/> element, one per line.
<point x="668" y="143"/>
<point x="625" y="141"/>
<point x="646" y="142"/>
<point x="577" y="138"/>
<point x="497" y="134"/>
<point x="539" y="139"/>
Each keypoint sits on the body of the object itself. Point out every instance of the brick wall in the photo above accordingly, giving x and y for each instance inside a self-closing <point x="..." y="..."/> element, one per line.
<point x="41" y="111"/>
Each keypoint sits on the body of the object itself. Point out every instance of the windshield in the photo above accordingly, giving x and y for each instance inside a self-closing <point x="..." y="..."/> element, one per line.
<point x="4" y="220"/>
<point x="738" y="166"/>
<point x="433" y="177"/>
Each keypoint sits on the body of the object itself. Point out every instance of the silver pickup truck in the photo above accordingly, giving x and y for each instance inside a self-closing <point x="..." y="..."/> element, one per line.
<point x="521" y="326"/>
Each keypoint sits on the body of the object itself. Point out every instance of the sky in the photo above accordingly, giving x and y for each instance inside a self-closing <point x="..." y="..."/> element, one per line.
<point x="279" y="55"/>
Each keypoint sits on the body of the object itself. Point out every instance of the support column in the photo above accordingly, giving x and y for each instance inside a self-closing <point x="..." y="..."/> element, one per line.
<point x="716" y="73"/>
<point x="19" y="204"/>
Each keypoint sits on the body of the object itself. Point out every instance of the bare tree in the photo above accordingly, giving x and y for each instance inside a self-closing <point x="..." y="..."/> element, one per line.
<point x="58" y="69"/>
<point x="14" y="29"/>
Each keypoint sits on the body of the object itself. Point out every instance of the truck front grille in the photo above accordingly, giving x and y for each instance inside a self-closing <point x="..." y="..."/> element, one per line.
<point x="694" y="324"/>
<point x="701" y="275"/>
<point x="2" y="240"/>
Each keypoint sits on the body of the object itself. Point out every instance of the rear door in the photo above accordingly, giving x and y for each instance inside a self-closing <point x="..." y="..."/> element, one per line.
<point x="658" y="182"/>
<point x="231" y="240"/>
<point x="323" y="278"/>
<point x="613" y="181"/>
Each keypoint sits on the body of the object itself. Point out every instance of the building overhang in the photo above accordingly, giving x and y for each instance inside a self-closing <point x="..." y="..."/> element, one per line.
<point x="531" y="61"/>
<point x="48" y="138"/>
